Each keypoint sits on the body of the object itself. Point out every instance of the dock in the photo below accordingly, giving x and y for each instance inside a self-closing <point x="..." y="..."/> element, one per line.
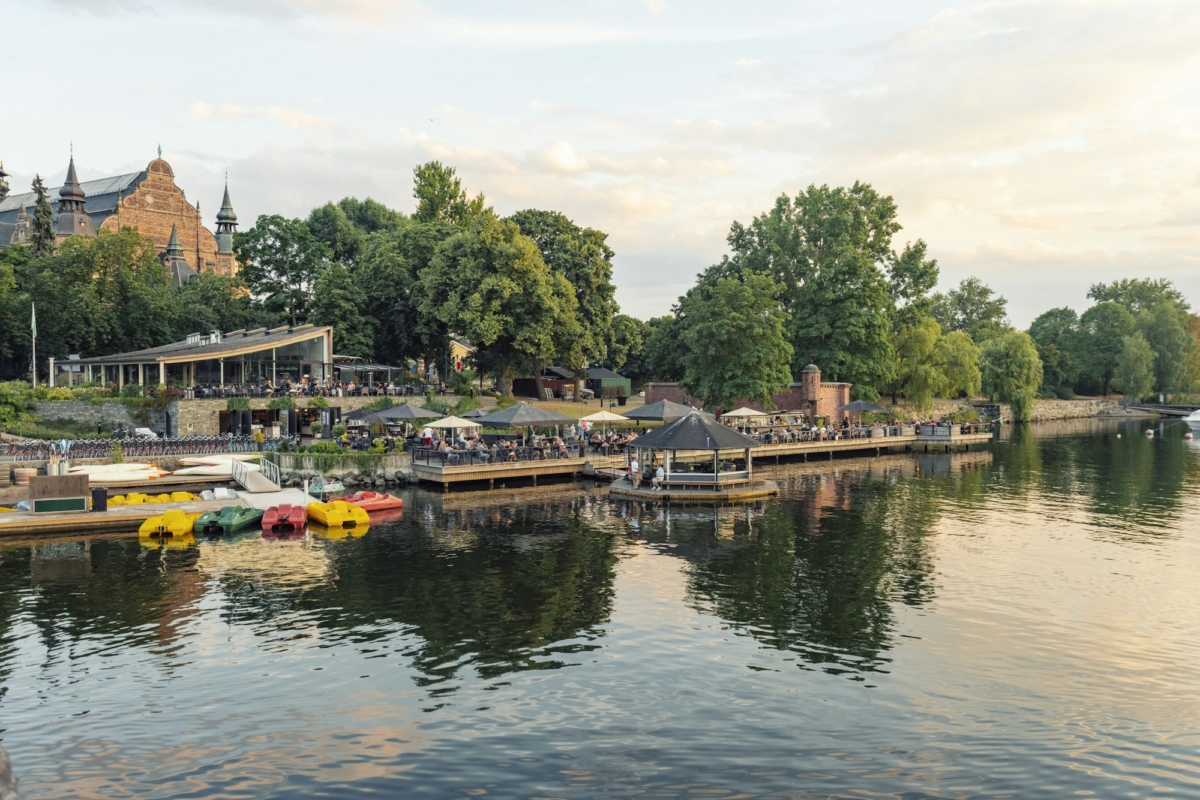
<point x="609" y="467"/>
<point x="117" y="519"/>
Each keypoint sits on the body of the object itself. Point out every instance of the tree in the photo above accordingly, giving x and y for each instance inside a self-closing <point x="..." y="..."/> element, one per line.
<point x="911" y="277"/>
<point x="829" y="249"/>
<point x="736" y="340"/>
<point x="582" y="256"/>
<point x="1164" y="327"/>
<point x="1137" y="294"/>
<point x="1011" y="371"/>
<point x="490" y="284"/>
<point x="1104" y="327"/>
<point x="215" y="302"/>
<point x="109" y="294"/>
<point x="918" y="375"/>
<point x="960" y="365"/>
<point x="1134" y="373"/>
<point x="42" y="232"/>
<point x="1057" y="335"/>
<point x="626" y="341"/>
<point x="973" y="308"/>
<point x="663" y="353"/>
<point x="331" y="226"/>
<point x="440" y="196"/>
<point x="281" y="260"/>
<point x="338" y="301"/>
<point x="371" y="216"/>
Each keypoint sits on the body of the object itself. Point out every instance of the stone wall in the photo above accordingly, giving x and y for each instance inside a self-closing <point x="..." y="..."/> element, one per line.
<point x="1043" y="410"/>
<point x="108" y="414"/>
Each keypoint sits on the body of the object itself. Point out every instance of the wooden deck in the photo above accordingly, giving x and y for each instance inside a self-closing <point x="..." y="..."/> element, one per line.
<point x="115" y="519"/>
<point x="515" y="470"/>
<point x="740" y="493"/>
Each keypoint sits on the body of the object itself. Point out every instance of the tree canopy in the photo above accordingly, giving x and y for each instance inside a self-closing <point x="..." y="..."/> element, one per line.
<point x="735" y="335"/>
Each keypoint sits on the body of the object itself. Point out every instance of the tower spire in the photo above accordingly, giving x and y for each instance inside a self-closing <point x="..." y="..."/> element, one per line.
<point x="73" y="218"/>
<point x="226" y="222"/>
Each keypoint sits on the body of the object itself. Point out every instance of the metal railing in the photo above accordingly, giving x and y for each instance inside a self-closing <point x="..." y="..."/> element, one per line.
<point x="496" y="455"/>
<point x="40" y="450"/>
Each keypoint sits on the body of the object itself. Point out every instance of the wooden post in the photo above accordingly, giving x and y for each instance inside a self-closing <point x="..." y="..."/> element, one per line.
<point x="141" y="374"/>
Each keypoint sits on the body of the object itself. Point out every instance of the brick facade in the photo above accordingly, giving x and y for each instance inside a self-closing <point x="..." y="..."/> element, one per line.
<point x="202" y="417"/>
<point x="155" y="205"/>
<point x="809" y="396"/>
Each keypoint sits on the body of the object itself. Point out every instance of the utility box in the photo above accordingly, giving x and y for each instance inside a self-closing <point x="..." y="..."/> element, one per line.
<point x="55" y="493"/>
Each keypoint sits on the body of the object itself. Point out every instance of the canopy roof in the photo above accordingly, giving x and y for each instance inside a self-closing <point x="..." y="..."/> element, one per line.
<point x="663" y="410"/>
<point x="523" y="415"/>
<point x="455" y="422"/>
<point x="217" y="345"/>
<point x="745" y="411"/>
<point x="409" y="412"/>
<point x="474" y="413"/>
<point x="694" y="432"/>
<point x="366" y="417"/>
<point x="859" y="406"/>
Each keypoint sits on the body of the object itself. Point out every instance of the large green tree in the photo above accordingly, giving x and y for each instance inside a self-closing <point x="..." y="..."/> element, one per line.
<point x="663" y="351"/>
<point x="441" y="197"/>
<point x="583" y="257"/>
<point x="1134" y="373"/>
<point x="1057" y="336"/>
<point x="1011" y="371"/>
<point x="490" y="284"/>
<point x="339" y="301"/>
<point x="626" y="344"/>
<point x="736" y="340"/>
<point x="102" y="294"/>
<point x="972" y="307"/>
<point x="281" y="260"/>
<point x="831" y="249"/>
<point x="1103" y="329"/>
<point x="1137" y="294"/>
<point x="1164" y="327"/>
<point x="216" y="302"/>
<point x="331" y="226"/>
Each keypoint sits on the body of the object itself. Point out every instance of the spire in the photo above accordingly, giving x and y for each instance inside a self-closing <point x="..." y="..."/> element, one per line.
<point x="226" y="223"/>
<point x="73" y="219"/>
<point x="4" y="183"/>
<point x="71" y="192"/>
<point x="174" y="248"/>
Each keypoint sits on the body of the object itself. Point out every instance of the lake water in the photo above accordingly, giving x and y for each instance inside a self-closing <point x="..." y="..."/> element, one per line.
<point x="1020" y="622"/>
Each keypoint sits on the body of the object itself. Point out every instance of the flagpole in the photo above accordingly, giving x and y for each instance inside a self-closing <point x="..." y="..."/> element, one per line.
<point x="33" y="326"/>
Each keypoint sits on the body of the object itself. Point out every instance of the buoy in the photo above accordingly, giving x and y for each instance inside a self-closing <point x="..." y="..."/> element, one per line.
<point x="1150" y="433"/>
<point x="1187" y="437"/>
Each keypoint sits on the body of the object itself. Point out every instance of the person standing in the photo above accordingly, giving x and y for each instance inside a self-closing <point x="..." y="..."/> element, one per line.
<point x="635" y="472"/>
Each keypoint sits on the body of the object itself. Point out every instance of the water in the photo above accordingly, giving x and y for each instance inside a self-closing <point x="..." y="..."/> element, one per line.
<point x="1016" y="623"/>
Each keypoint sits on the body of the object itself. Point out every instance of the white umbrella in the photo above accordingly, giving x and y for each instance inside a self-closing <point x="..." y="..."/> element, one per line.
<point x="745" y="412"/>
<point x="455" y="423"/>
<point x="606" y="417"/>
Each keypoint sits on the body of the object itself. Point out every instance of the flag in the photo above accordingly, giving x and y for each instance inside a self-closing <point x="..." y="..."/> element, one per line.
<point x="33" y="318"/>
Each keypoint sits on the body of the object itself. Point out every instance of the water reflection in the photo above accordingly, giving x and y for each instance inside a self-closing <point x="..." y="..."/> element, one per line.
<point x="957" y="620"/>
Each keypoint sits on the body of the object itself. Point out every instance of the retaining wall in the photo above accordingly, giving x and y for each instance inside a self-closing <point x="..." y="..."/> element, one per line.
<point x="110" y="414"/>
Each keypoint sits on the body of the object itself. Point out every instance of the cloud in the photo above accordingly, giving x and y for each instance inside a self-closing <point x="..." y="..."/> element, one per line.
<point x="284" y="117"/>
<point x="363" y="11"/>
<point x="561" y="157"/>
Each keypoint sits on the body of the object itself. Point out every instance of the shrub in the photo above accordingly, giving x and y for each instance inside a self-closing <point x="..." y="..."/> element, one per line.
<point x="318" y="402"/>
<point x="280" y="404"/>
<point x="380" y="404"/>
<point x="329" y="448"/>
<point x="338" y="430"/>
<point x="237" y="404"/>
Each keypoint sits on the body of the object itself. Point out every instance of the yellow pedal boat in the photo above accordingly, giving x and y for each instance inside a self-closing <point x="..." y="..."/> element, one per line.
<point x="338" y="514"/>
<point x="169" y="523"/>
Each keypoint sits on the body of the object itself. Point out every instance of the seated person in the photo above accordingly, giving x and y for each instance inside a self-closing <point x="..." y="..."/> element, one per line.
<point x="656" y="481"/>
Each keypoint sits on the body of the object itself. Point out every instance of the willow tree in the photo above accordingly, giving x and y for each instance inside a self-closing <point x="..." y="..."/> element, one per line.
<point x="1012" y="371"/>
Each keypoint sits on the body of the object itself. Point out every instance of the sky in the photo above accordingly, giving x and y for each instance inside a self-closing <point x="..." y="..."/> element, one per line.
<point x="1040" y="146"/>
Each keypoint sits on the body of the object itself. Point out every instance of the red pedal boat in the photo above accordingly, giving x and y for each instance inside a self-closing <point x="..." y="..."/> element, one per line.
<point x="285" y="518"/>
<point x="374" y="501"/>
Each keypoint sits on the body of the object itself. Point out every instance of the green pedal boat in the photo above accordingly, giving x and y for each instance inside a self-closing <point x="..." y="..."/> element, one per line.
<point x="229" y="519"/>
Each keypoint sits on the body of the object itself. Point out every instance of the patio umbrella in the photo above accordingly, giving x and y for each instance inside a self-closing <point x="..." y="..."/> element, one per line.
<point x="859" y="406"/>
<point x="524" y="415"/>
<point x="606" y="417"/>
<point x="454" y="423"/>
<point x="475" y="413"/>
<point x="663" y="411"/>
<point x="745" y="411"/>
<point x="409" y="412"/>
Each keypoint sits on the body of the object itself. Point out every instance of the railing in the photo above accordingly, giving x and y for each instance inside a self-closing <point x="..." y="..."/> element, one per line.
<point x="237" y="390"/>
<point x="270" y="471"/>
<point x="495" y="455"/>
<point x="325" y="463"/>
<point x="40" y="450"/>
